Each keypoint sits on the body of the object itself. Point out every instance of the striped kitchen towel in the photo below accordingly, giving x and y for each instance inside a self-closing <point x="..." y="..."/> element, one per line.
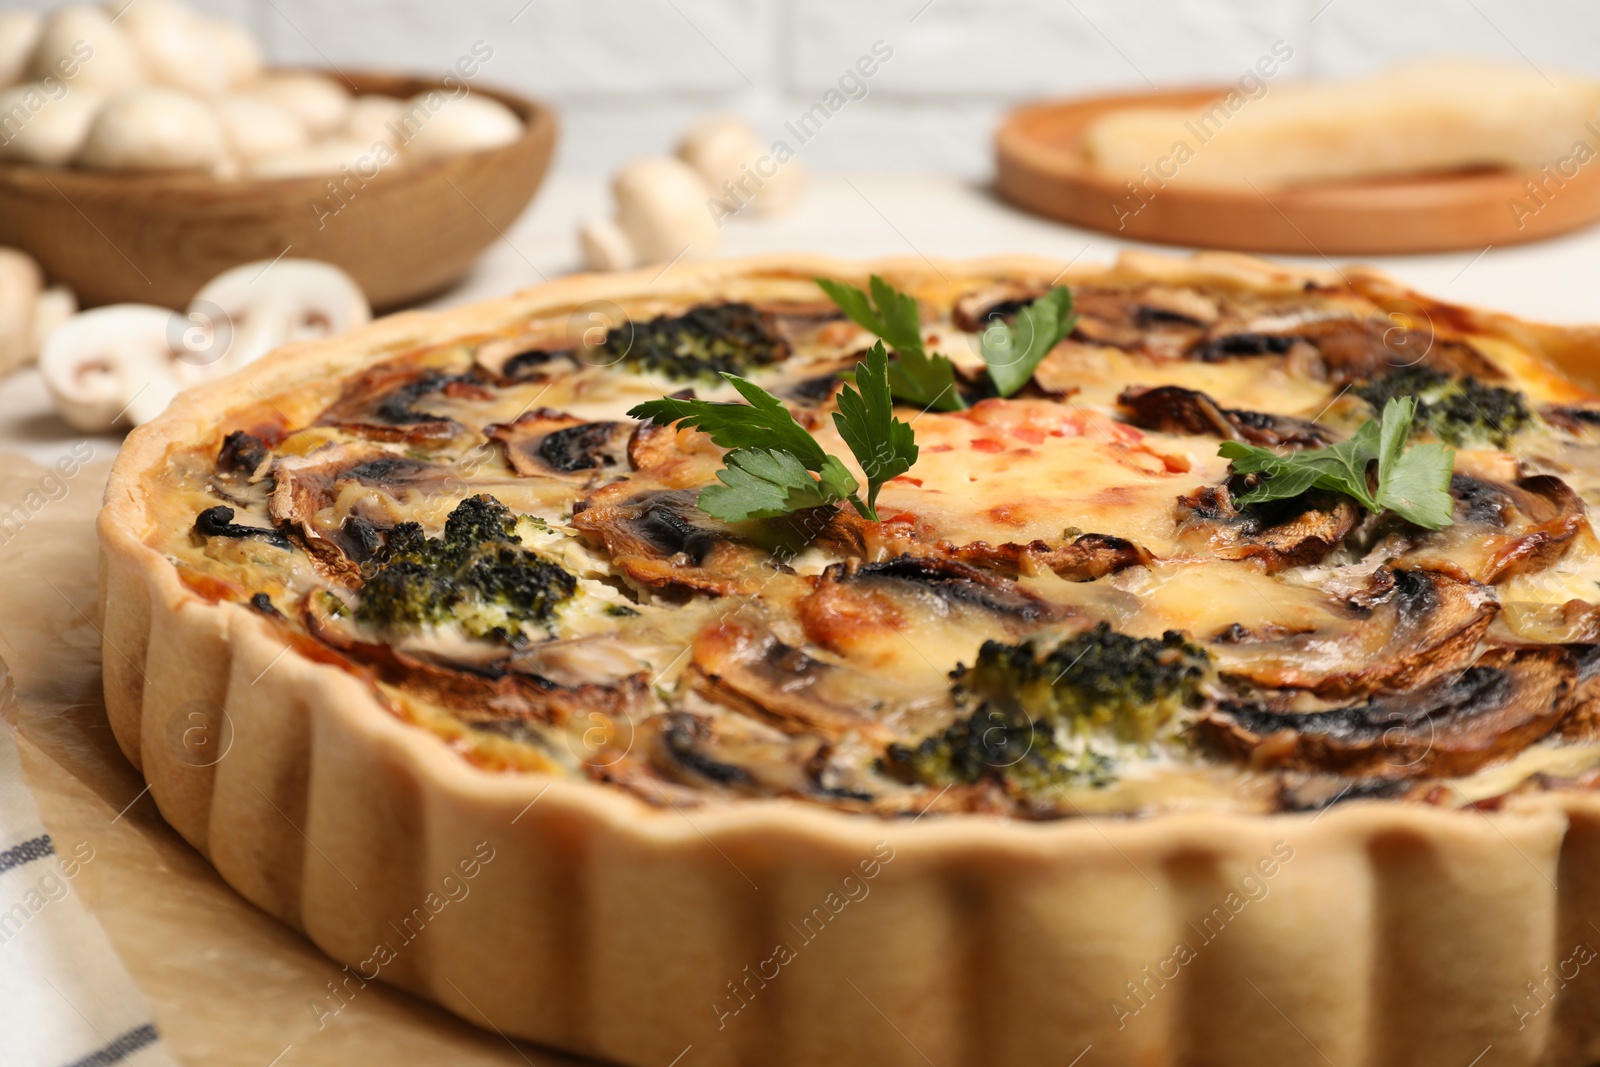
<point x="65" y="998"/>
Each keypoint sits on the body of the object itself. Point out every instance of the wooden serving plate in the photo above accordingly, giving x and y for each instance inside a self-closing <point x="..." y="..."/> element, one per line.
<point x="1041" y="168"/>
<point x="412" y="230"/>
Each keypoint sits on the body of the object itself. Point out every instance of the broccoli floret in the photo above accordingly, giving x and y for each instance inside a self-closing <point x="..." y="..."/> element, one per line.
<point x="703" y="343"/>
<point x="1461" y="412"/>
<point x="477" y="575"/>
<point x="1099" y="682"/>
<point x="998" y="745"/>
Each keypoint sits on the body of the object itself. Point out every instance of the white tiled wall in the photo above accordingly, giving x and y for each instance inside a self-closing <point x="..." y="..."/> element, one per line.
<point x="627" y="75"/>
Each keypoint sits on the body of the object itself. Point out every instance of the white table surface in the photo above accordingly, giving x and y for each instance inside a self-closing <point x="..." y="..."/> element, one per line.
<point x="864" y="215"/>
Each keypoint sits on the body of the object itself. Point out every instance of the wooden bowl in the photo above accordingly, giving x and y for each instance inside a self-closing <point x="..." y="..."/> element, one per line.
<point x="1041" y="168"/>
<point x="406" y="233"/>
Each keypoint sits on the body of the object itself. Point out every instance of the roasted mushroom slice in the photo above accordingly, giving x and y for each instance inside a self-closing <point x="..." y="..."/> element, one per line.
<point x="1079" y="557"/>
<point x="480" y="692"/>
<point x="1284" y="533"/>
<point x="675" y="455"/>
<point x="915" y="612"/>
<point x="548" y="442"/>
<point x="1174" y="409"/>
<point x="733" y="754"/>
<point x="1414" y="627"/>
<point x="744" y="666"/>
<point x="1503" y="703"/>
<point x="659" y="539"/>
<point x="1349" y="349"/>
<point x="1501" y="529"/>
<point x="976" y="310"/>
<point x="387" y="404"/>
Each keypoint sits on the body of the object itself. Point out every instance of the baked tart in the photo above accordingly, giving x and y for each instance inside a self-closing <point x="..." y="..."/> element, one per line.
<point x="793" y="661"/>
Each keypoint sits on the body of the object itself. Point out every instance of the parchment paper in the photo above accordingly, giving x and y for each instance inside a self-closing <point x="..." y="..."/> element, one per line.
<point x="228" y="985"/>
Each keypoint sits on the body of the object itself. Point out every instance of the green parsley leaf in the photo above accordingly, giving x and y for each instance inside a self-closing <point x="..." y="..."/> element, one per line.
<point x="1014" y="352"/>
<point x="760" y="483"/>
<point x="768" y="470"/>
<point x="1413" y="483"/>
<point x="763" y="423"/>
<point x="914" y="376"/>
<point x="884" y="446"/>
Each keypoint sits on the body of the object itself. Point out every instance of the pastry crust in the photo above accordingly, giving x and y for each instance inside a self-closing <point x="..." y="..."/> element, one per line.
<point x="1370" y="933"/>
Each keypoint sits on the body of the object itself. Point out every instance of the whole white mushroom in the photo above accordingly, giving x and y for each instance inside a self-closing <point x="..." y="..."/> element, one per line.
<point x="321" y="103"/>
<point x="740" y="171"/>
<point x="323" y="157"/>
<point x="154" y="129"/>
<point x="29" y="313"/>
<point x="257" y="126"/>
<point x="19" y="34"/>
<point x="604" y="245"/>
<point x="239" y="51"/>
<point x="374" y="118"/>
<point x="46" y="124"/>
<point x="21" y="283"/>
<point x="82" y="46"/>
<point x="661" y="207"/>
<point x="437" y="124"/>
<point x="176" y="45"/>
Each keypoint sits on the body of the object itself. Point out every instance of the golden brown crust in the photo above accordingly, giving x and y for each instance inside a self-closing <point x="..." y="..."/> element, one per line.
<point x="1383" y="934"/>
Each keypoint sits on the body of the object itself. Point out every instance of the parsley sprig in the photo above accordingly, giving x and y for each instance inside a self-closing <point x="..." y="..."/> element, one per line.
<point x="929" y="381"/>
<point x="769" y="472"/>
<point x="1011" y="352"/>
<point x="1413" y="483"/>
<point x="1014" y="352"/>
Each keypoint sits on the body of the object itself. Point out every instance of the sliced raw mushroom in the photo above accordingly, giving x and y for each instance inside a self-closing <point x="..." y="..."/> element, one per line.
<point x="51" y="311"/>
<point x="44" y="124"/>
<point x="154" y="129"/>
<point x="1174" y="409"/>
<point x="1406" y="629"/>
<point x="436" y="124"/>
<point x="738" y="168"/>
<point x="545" y="442"/>
<point x="19" y="35"/>
<point x="1284" y="533"/>
<point x="1503" y="703"/>
<point x="271" y="303"/>
<point x="81" y="45"/>
<point x="111" y="366"/>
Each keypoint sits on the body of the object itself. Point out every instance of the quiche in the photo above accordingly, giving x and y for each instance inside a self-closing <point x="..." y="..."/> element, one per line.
<point x="1065" y="733"/>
